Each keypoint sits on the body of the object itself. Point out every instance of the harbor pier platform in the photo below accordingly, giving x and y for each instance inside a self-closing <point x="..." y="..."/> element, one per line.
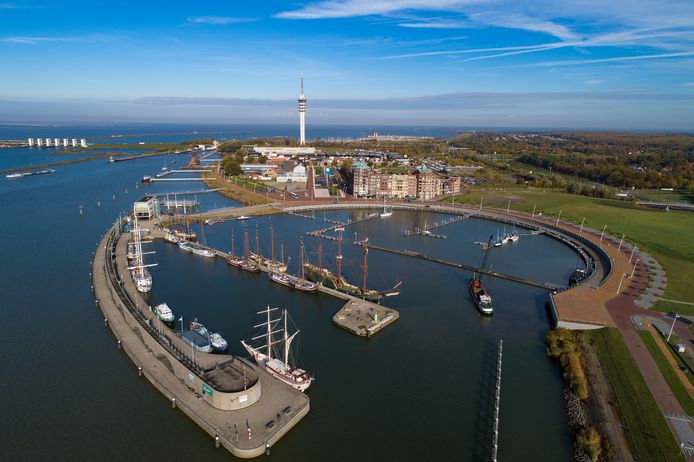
<point x="240" y="406"/>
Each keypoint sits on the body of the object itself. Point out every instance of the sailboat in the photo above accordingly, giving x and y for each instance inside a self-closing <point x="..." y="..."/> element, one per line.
<point x="295" y="282"/>
<point x="139" y="271"/>
<point x="247" y="264"/>
<point x="233" y="260"/>
<point x="277" y="365"/>
<point x="479" y="295"/>
<point x="271" y="264"/>
<point x="386" y="211"/>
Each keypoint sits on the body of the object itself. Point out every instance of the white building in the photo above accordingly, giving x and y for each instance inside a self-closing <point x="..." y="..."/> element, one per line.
<point x="297" y="175"/>
<point x="274" y="151"/>
<point x="39" y="142"/>
<point x="48" y="142"/>
<point x="56" y="141"/>
<point x="66" y="142"/>
<point x="83" y="143"/>
<point x="74" y="142"/>
<point x="31" y="142"/>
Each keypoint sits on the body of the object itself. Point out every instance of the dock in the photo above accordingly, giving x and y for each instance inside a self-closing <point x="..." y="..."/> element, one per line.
<point x="426" y="231"/>
<point x="240" y="406"/>
<point x="364" y="318"/>
<point x="408" y="253"/>
<point x="361" y="317"/>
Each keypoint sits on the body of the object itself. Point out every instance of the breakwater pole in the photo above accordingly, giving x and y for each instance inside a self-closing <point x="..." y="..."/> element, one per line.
<point x="497" y="399"/>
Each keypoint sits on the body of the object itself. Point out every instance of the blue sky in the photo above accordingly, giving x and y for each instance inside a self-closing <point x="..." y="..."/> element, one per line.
<point x="545" y="63"/>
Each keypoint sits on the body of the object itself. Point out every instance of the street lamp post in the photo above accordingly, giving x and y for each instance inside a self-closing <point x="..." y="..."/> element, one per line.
<point x="619" y="289"/>
<point x="634" y="268"/>
<point x="534" y="206"/>
<point x="602" y="234"/>
<point x="633" y="249"/>
<point x="582" y="221"/>
<point x="620" y="244"/>
<point x="558" y="217"/>
<point x="672" y="327"/>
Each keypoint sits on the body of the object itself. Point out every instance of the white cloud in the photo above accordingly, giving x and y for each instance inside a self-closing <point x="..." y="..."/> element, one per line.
<point x="352" y="8"/>
<point x="689" y="84"/>
<point x="217" y="20"/>
<point x="594" y="82"/>
<point x="579" y="62"/>
<point x="36" y="40"/>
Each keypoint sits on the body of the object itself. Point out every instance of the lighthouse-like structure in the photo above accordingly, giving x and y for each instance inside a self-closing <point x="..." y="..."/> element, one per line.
<point x="302" y="115"/>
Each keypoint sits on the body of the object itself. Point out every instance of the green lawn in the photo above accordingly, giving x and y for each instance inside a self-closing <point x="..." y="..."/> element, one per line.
<point x="669" y="374"/>
<point x="667" y="236"/>
<point x="648" y="434"/>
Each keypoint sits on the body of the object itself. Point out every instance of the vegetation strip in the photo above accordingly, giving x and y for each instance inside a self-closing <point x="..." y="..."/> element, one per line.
<point x="669" y="374"/>
<point x="648" y="434"/>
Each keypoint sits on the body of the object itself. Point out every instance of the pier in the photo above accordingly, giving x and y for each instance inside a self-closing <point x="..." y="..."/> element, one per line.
<point x="421" y="256"/>
<point x="240" y="406"/>
<point x="426" y="231"/>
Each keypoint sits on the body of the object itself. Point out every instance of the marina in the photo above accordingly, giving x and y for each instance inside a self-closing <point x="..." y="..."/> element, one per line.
<point x="227" y="299"/>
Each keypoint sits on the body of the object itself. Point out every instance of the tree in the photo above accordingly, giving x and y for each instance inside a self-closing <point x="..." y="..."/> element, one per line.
<point x="262" y="160"/>
<point x="347" y="166"/>
<point x="232" y="167"/>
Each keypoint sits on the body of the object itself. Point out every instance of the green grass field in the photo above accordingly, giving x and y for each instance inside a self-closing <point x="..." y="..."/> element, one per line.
<point x="666" y="236"/>
<point x="648" y="434"/>
<point x="669" y="374"/>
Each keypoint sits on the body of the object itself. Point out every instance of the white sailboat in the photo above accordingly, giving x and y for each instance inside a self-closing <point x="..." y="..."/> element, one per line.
<point x="139" y="271"/>
<point x="386" y="211"/>
<point x="263" y="354"/>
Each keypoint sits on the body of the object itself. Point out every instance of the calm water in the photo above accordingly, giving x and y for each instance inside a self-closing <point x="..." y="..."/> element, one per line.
<point x="420" y="390"/>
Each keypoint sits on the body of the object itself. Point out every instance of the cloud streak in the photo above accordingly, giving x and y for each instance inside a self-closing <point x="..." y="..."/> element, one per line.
<point x="218" y="20"/>
<point x="37" y="40"/>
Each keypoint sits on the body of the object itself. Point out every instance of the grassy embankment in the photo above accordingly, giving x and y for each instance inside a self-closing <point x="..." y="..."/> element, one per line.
<point x="237" y="193"/>
<point x="669" y="374"/>
<point x="648" y="434"/>
<point x="666" y="236"/>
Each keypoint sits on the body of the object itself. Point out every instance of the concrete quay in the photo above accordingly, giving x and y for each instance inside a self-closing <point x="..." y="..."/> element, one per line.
<point x="200" y="387"/>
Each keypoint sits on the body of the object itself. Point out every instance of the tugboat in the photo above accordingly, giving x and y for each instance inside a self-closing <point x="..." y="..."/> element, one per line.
<point x="263" y="353"/>
<point x="164" y="313"/>
<point x="480" y="296"/>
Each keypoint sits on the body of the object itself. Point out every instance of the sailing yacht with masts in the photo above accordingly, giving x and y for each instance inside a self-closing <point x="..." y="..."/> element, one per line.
<point x="295" y="282"/>
<point x="139" y="271"/>
<point x="277" y="341"/>
<point x="270" y="263"/>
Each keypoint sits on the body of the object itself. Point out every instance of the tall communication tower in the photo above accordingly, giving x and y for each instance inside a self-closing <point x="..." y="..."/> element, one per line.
<point x="302" y="115"/>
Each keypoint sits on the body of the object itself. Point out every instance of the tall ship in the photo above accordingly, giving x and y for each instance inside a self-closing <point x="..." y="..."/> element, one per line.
<point x="272" y="352"/>
<point x="295" y="282"/>
<point x="138" y="269"/>
<point x="246" y="263"/>
<point x="321" y="275"/>
<point x="270" y="263"/>
<point x="232" y="259"/>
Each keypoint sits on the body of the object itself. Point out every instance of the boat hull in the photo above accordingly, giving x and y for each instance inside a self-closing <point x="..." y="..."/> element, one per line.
<point x="264" y="362"/>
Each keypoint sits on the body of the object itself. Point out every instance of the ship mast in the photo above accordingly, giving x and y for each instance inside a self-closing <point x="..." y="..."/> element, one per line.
<point x="269" y="334"/>
<point x="302" y="260"/>
<point x="286" y="343"/>
<point x="245" y="242"/>
<point x="282" y="251"/>
<point x="257" y="242"/>
<point x="272" y="243"/>
<point x="339" y="253"/>
<point x="364" y="267"/>
<point x="320" y="254"/>
<point x="232" y="243"/>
